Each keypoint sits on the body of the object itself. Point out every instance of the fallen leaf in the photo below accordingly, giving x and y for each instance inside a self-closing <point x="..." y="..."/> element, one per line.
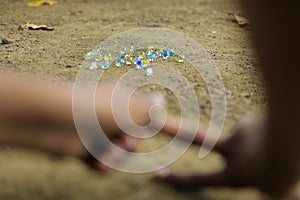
<point x="242" y="21"/>
<point x="40" y="3"/>
<point x="35" y="27"/>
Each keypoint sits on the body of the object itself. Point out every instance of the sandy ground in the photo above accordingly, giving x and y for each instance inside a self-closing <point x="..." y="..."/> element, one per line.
<point x="57" y="55"/>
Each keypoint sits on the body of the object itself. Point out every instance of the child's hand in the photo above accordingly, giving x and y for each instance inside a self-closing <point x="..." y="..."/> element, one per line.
<point x="139" y="109"/>
<point x="248" y="164"/>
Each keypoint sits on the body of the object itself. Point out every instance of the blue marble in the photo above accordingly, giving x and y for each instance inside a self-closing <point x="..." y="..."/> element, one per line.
<point x="165" y="55"/>
<point x="105" y="65"/>
<point x="139" y="64"/>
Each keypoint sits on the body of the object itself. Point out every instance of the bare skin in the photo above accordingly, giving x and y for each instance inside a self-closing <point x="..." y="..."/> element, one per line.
<point x="264" y="152"/>
<point x="39" y="116"/>
<point x="42" y="119"/>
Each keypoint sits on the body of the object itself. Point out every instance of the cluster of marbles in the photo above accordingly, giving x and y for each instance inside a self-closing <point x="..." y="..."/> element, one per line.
<point x="130" y="58"/>
<point x="96" y="56"/>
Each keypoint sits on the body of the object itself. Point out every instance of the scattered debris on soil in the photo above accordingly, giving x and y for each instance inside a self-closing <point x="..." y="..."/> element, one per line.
<point x="35" y="27"/>
<point x="41" y="3"/>
<point x="242" y="21"/>
<point x="5" y="41"/>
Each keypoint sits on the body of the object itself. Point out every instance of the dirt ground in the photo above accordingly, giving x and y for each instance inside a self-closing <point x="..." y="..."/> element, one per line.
<point x="57" y="55"/>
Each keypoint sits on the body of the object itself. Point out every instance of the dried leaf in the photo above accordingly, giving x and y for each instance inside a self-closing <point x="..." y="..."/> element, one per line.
<point x="40" y="3"/>
<point x="35" y="27"/>
<point x="242" y="21"/>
